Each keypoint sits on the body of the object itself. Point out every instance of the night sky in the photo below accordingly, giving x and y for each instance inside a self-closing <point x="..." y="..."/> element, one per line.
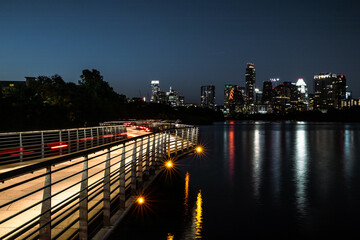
<point x="184" y="44"/>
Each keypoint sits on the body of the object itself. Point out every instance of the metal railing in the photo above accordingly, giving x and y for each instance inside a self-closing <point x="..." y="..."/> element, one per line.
<point x="22" y="146"/>
<point x="74" y="195"/>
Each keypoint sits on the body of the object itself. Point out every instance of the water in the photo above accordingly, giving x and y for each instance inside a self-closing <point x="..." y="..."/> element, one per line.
<point x="288" y="180"/>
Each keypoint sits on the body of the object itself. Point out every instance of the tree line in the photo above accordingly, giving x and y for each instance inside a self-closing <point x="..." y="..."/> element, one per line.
<point x="50" y="102"/>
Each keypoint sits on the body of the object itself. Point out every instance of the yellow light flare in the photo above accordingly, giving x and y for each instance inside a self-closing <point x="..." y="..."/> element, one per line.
<point x="140" y="200"/>
<point x="169" y="164"/>
<point x="199" y="149"/>
<point x="170" y="236"/>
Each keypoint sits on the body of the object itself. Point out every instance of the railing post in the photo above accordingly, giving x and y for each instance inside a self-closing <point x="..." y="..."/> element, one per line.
<point x="153" y="152"/>
<point x="140" y="167"/>
<point x="192" y="136"/>
<point x="60" y="142"/>
<point x="147" y="156"/>
<point x="122" y="178"/>
<point x="85" y="138"/>
<point x="42" y="145"/>
<point x="197" y="135"/>
<point x="97" y="136"/>
<point x="163" y="146"/>
<point x="169" y="143"/>
<point x="21" y="148"/>
<point x="158" y="151"/>
<point x="45" y="218"/>
<point x="176" y="143"/>
<point x="182" y="140"/>
<point x="83" y="205"/>
<point x="133" y="168"/>
<point x="77" y="139"/>
<point x="69" y="142"/>
<point x="107" y="190"/>
<point x="91" y="137"/>
<point x="188" y="138"/>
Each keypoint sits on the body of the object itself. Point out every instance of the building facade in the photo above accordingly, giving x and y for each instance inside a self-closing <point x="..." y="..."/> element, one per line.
<point x="250" y="78"/>
<point x="329" y="91"/>
<point x="208" y="96"/>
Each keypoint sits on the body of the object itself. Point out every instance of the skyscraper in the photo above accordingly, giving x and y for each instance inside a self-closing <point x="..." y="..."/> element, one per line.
<point x="208" y="96"/>
<point x="250" y="83"/>
<point x="302" y="92"/>
<point x="232" y="97"/>
<point x="329" y="90"/>
<point x="155" y="89"/>
<point x="268" y="93"/>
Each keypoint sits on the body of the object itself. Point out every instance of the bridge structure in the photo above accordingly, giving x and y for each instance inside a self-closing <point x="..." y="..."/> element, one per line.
<point x="82" y="194"/>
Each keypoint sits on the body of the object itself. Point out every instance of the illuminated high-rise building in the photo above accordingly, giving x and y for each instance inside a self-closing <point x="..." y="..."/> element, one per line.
<point x="155" y="89"/>
<point x="268" y="93"/>
<point x="233" y="97"/>
<point x="208" y="96"/>
<point x="303" y="97"/>
<point x="329" y="90"/>
<point x="250" y="83"/>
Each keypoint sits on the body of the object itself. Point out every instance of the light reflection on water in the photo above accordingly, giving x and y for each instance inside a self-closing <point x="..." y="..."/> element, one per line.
<point x="198" y="216"/>
<point x="287" y="176"/>
<point x="301" y="170"/>
<point x="186" y="193"/>
<point x="287" y="180"/>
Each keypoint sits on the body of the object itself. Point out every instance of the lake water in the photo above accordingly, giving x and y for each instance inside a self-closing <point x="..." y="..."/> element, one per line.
<point x="288" y="180"/>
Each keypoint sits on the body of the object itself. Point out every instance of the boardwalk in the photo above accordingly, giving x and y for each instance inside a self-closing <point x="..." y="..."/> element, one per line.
<point x="99" y="181"/>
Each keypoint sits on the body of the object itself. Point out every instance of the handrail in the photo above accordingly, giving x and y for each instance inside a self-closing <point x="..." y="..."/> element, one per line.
<point x="80" y="187"/>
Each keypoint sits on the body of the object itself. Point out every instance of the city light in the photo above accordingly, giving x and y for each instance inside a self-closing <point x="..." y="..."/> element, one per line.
<point x="199" y="149"/>
<point x="169" y="164"/>
<point x="140" y="200"/>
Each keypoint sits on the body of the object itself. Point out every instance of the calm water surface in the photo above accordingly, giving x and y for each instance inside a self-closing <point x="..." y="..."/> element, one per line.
<point x="289" y="180"/>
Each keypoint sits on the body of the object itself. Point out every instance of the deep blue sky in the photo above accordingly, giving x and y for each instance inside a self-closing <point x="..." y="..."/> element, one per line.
<point x="184" y="44"/>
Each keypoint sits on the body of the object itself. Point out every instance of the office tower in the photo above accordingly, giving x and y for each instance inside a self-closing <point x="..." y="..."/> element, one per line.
<point x="302" y="92"/>
<point x="285" y="97"/>
<point x="155" y="89"/>
<point x="208" y="96"/>
<point x="250" y="83"/>
<point x="339" y="90"/>
<point x="329" y="90"/>
<point x="268" y="93"/>
<point x="233" y="97"/>
<point x="173" y="98"/>
<point x="258" y="96"/>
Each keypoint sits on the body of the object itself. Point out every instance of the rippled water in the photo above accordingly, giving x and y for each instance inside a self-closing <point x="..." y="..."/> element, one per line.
<point x="260" y="179"/>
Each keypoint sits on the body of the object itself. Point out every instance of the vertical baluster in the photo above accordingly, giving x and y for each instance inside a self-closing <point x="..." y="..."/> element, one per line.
<point x="141" y="159"/>
<point x="153" y="153"/>
<point x="193" y="136"/>
<point x="97" y="136"/>
<point x="69" y="142"/>
<point x="182" y="140"/>
<point x="147" y="157"/>
<point x="45" y="218"/>
<point x="85" y="138"/>
<point x="107" y="190"/>
<point x="122" y="178"/>
<point x="158" y="150"/>
<point x="188" y="138"/>
<point x="21" y="147"/>
<point x="83" y="205"/>
<point x="60" y="143"/>
<point x="91" y="137"/>
<point x="176" y="142"/>
<point x="133" y="168"/>
<point x="77" y="139"/>
<point x="42" y="145"/>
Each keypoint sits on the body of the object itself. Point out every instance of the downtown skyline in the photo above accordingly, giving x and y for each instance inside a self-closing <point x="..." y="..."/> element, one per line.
<point x="183" y="44"/>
